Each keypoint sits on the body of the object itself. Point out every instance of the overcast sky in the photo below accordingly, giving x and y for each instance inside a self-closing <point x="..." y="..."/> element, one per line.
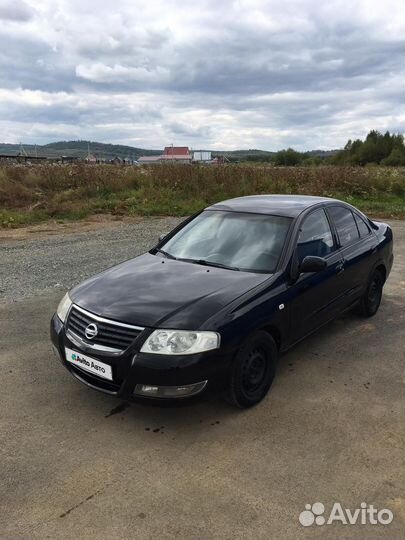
<point x="209" y="74"/>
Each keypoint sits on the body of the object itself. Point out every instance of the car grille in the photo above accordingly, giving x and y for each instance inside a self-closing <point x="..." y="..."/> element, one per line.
<point x="111" y="335"/>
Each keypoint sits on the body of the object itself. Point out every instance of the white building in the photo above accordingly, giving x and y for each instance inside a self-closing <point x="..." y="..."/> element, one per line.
<point x="202" y="156"/>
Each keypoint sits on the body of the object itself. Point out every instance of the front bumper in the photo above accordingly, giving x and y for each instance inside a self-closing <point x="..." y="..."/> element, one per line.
<point x="133" y="370"/>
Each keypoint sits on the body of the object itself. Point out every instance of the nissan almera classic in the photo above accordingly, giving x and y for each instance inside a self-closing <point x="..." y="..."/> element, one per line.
<point x="210" y="308"/>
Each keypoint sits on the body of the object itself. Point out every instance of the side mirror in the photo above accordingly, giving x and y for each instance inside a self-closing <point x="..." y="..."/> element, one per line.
<point x="313" y="264"/>
<point x="162" y="237"/>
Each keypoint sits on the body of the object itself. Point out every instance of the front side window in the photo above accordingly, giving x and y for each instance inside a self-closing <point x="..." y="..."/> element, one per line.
<point x="249" y="242"/>
<point x="315" y="236"/>
<point x="345" y="225"/>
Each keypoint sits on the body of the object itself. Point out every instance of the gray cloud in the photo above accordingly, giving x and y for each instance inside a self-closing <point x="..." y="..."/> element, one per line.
<point x="28" y="61"/>
<point x="251" y="73"/>
<point x="15" y="10"/>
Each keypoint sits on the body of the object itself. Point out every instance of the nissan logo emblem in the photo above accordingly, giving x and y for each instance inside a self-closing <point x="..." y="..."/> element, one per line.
<point x="91" y="331"/>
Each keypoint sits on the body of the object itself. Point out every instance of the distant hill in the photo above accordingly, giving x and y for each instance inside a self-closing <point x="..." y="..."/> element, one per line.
<point x="265" y="155"/>
<point x="322" y="153"/>
<point x="242" y="155"/>
<point x="78" y="149"/>
<point x="101" y="150"/>
<point x="109" y="151"/>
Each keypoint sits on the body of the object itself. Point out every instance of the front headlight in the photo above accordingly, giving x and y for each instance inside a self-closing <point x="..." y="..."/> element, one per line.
<point x="63" y="308"/>
<point x="180" y="342"/>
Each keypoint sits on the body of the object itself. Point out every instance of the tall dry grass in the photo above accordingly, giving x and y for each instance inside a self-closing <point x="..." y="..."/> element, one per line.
<point x="46" y="190"/>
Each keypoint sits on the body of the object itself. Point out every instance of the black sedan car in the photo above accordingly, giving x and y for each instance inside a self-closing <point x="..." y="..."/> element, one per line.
<point x="210" y="308"/>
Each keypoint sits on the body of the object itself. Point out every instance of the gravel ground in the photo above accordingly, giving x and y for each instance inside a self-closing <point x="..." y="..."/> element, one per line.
<point x="79" y="464"/>
<point x="29" y="266"/>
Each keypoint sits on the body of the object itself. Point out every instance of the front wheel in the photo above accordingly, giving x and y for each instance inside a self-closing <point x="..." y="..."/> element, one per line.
<point x="371" y="299"/>
<point x="253" y="371"/>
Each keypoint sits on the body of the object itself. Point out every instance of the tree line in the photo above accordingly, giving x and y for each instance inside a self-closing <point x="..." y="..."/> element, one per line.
<point x="377" y="148"/>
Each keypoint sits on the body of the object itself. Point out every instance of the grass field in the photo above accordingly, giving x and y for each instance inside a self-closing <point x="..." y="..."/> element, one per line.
<point x="31" y="194"/>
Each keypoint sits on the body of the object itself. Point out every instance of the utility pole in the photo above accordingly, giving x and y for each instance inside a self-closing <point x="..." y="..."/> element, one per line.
<point x="22" y="150"/>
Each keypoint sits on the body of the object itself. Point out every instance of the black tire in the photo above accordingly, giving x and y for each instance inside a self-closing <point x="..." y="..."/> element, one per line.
<point x="253" y="370"/>
<point x="371" y="299"/>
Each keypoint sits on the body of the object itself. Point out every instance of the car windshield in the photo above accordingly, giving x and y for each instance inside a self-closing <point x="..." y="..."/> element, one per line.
<point x="240" y="241"/>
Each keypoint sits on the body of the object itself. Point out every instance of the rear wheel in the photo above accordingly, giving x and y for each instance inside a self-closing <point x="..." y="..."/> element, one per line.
<point x="253" y="371"/>
<point x="371" y="299"/>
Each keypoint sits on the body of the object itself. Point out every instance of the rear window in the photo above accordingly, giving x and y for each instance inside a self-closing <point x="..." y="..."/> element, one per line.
<point x="345" y="224"/>
<point x="364" y="229"/>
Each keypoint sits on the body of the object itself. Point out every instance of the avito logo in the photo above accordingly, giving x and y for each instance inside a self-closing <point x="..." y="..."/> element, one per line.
<point x="367" y="514"/>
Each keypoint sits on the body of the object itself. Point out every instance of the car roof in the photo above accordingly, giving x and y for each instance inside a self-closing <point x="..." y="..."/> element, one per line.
<point x="277" y="205"/>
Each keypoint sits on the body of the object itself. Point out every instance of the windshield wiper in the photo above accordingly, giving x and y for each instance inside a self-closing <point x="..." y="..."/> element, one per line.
<point x="204" y="262"/>
<point x="165" y="253"/>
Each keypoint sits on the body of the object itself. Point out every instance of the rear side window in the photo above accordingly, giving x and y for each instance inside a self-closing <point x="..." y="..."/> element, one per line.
<point x="315" y="236"/>
<point x="345" y="225"/>
<point x="361" y="225"/>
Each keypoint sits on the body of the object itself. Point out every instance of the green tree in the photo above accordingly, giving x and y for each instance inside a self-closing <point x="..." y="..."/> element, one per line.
<point x="376" y="148"/>
<point x="288" y="158"/>
<point x="396" y="157"/>
<point x="312" y="161"/>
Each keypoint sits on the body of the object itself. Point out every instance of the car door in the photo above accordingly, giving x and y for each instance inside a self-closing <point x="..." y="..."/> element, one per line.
<point x="356" y="245"/>
<point x="315" y="297"/>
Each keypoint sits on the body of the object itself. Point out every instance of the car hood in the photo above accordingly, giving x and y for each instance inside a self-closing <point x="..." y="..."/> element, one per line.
<point x="157" y="292"/>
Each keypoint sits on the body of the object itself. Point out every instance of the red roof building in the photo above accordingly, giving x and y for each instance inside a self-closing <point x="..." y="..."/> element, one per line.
<point x="176" y="151"/>
<point x="180" y="154"/>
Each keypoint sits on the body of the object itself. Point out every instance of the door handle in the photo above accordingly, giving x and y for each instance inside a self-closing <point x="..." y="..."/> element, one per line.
<point x="340" y="267"/>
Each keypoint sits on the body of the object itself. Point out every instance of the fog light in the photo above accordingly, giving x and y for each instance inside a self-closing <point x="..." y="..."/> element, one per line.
<point x="169" y="391"/>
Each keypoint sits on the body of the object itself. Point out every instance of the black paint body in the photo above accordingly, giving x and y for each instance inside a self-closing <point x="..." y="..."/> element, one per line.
<point x="156" y="292"/>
